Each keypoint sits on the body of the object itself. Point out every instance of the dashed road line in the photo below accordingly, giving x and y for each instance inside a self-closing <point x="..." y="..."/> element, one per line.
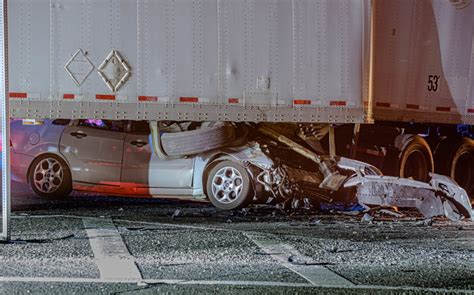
<point x="110" y="252"/>
<point x="315" y="274"/>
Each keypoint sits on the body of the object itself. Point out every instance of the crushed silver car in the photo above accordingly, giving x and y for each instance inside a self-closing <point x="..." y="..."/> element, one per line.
<point x="232" y="165"/>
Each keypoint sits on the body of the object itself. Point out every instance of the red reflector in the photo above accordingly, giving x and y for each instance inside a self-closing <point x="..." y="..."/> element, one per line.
<point x="337" y="103"/>
<point x="443" y="109"/>
<point x="18" y="95"/>
<point x="233" y="100"/>
<point x="413" y="106"/>
<point x="148" y="98"/>
<point x="188" y="99"/>
<point x="105" y="96"/>
<point x="302" y="101"/>
<point x="470" y="110"/>
<point x="69" y="96"/>
<point x="382" y="104"/>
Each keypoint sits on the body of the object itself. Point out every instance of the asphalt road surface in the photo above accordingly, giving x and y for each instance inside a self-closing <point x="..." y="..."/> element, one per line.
<point x="111" y="245"/>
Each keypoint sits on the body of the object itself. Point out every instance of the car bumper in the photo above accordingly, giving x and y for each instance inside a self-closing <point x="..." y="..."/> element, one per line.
<point x="19" y="168"/>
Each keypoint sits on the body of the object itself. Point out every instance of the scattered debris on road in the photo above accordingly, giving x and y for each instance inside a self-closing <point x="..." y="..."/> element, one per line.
<point x="294" y="259"/>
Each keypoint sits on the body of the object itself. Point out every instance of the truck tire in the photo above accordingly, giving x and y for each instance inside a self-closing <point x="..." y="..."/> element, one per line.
<point x="228" y="185"/>
<point x="415" y="159"/>
<point x="198" y="141"/>
<point x="462" y="166"/>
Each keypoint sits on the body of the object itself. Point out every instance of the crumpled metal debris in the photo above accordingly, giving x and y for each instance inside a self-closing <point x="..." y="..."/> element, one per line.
<point x="442" y="196"/>
<point x="332" y="179"/>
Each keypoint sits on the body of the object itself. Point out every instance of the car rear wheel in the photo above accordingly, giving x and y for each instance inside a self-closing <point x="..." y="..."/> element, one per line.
<point x="50" y="177"/>
<point x="228" y="186"/>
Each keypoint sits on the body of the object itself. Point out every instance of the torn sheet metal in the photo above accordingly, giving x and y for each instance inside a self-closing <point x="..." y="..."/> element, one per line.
<point x="332" y="179"/>
<point x="441" y="196"/>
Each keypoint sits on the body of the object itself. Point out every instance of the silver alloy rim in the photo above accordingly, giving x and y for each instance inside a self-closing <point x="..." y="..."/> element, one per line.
<point x="227" y="185"/>
<point x="48" y="175"/>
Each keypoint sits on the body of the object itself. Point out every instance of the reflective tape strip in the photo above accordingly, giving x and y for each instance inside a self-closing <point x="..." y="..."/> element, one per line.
<point x="382" y="104"/>
<point x="413" y="106"/>
<point x="443" y="109"/>
<point x="302" y="102"/>
<point x="18" y="95"/>
<point x="233" y="100"/>
<point x="194" y="99"/>
<point x="188" y="99"/>
<point x="105" y="96"/>
<point x="337" y="103"/>
<point x="69" y="96"/>
<point x="470" y="110"/>
<point x="148" y="98"/>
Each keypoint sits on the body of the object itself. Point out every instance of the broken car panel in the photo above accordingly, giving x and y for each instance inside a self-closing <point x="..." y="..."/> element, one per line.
<point x="440" y="197"/>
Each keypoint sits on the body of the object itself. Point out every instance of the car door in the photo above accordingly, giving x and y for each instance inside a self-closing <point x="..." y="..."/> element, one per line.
<point x="141" y="167"/>
<point x="94" y="150"/>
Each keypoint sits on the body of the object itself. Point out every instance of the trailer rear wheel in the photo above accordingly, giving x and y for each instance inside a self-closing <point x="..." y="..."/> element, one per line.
<point x="415" y="159"/>
<point x="462" y="166"/>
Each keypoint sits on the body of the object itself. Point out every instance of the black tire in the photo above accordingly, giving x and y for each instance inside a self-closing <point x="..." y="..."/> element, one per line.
<point x="59" y="185"/>
<point x="198" y="141"/>
<point x="415" y="160"/>
<point x="227" y="197"/>
<point x="462" y="166"/>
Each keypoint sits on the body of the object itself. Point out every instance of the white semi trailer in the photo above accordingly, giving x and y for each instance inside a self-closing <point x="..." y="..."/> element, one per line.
<point x="407" y="65"/>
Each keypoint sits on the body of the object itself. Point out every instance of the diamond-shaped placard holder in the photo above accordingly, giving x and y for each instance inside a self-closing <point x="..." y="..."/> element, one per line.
<point x="114" y="70"/>
<point x="79" y="67"/>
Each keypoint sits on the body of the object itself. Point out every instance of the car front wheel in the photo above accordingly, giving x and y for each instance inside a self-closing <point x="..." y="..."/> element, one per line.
<point x="228" y="186"/>
<point x="50" y="177"/>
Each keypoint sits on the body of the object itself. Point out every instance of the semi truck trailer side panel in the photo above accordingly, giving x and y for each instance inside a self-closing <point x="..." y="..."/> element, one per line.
<point x="253" y="60"/>
<point x="423" y="61"/>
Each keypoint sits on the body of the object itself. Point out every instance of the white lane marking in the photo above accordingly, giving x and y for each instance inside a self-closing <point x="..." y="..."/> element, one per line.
<point x="229" y="283"/>
<point x="110" y="253"/>
<point x="315" y="274"/>
<point x="129" y="221"/>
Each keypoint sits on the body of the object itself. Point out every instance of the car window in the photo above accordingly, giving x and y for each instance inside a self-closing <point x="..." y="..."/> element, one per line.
<point x="140" y="127"/>
<point x="62" y="122"/>
<point x="108" y="125"/>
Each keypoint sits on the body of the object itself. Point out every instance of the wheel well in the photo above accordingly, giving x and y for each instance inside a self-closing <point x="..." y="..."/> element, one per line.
<point x="44" y="156"/>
